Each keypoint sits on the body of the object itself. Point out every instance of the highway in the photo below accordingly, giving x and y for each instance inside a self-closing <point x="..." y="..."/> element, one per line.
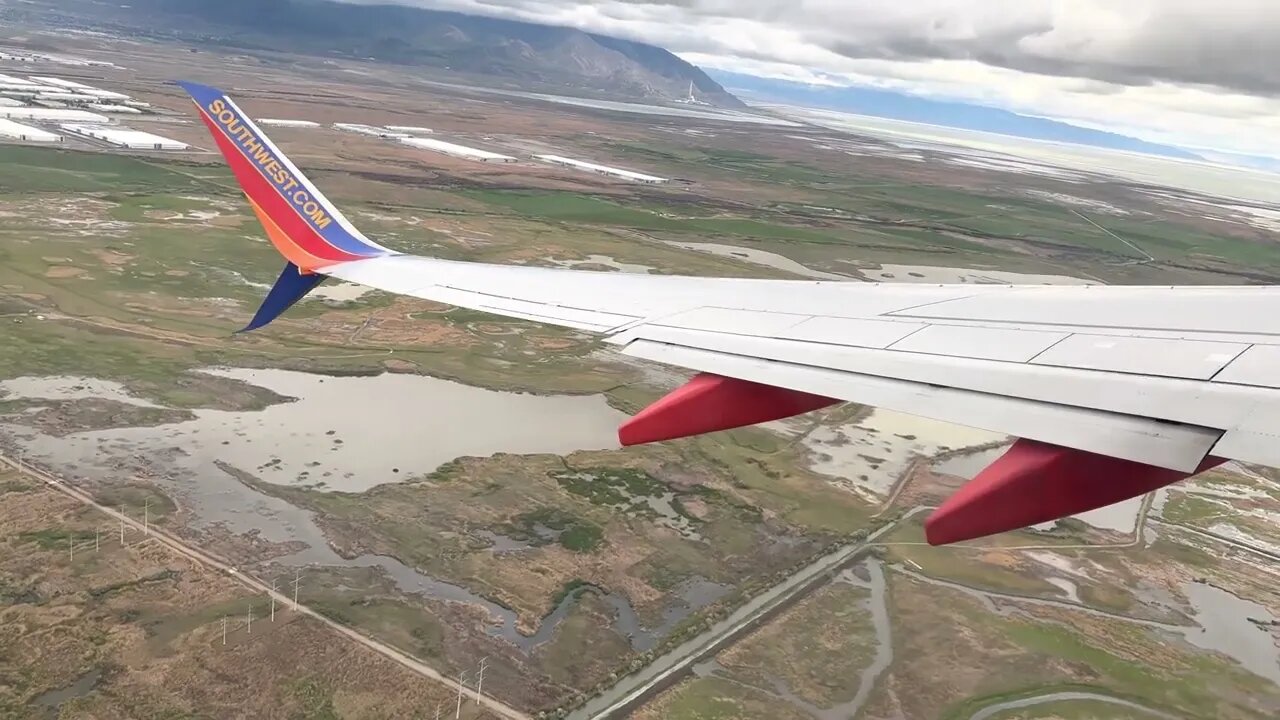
<point x="207" y="559"/>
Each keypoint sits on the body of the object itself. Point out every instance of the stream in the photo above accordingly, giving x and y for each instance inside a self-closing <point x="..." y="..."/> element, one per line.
<point x="877" y="604"/>
<point x="338" y="430"/>
<point x="992" y="710"/>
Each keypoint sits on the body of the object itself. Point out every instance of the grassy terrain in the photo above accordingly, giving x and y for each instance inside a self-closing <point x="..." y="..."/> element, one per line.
<point x="132" y="632"/>
<point x="1074" y="710"/>
<point x="139" y="270"/>
<point x="996" y="656"/>
<point x="717" y="699"/>
<point x="818" y="649"/>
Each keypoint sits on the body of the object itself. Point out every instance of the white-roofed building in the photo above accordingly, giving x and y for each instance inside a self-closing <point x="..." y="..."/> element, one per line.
<point x="125" y="137"/>
<point x="10" y="102"/>
<point x="602" y="169"/>
<point x="373" y="130"/>
<point x="462" y="151"/>
<point x="110" y="108"/>
<point x="71" y="97"/>
<point x="59" y="82"/>
<point x="79" y="87"/>
<point x="15" y="80"/>
<point x="16" y="131"/>
<point x="52" y="114"/>
<point x="281" y="122"/>
<point x="411" y="129"/>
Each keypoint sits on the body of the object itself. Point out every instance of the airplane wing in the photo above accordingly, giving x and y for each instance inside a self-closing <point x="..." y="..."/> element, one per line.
<point x="1112" y="391"/>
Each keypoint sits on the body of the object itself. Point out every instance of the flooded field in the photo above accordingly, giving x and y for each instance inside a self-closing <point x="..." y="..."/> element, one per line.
<point x="889" y="272"/>
<point x="872" y="453"/>
<point x="348" y="433"/>
<point x="759" y="257"/>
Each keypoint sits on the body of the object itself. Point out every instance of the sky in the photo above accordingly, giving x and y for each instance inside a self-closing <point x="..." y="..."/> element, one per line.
<point x="1197" y="73"/>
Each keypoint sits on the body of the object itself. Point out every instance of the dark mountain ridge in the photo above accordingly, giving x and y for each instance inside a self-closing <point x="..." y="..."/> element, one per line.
<point x="545" y="55"/>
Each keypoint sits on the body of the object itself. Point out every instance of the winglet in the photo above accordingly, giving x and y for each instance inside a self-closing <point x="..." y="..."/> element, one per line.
<point x="292" y="285"/>
<point x="299" y="220"/>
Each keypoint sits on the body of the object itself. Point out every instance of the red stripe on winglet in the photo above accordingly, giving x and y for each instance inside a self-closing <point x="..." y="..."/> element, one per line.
<point x="269" y="199"/>
<point x="708" y="403"/>
<point x="1034" y="482"/>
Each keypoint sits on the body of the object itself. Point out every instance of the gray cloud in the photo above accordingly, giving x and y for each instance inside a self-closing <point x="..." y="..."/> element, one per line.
<point x="1229" y="44"/>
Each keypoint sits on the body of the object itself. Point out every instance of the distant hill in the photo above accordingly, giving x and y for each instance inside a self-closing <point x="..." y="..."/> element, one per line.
<point x="537" y="54"/>
<point x="902" y="106"/>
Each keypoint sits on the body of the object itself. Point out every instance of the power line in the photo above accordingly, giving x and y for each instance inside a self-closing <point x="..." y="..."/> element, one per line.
<point x="484" y="663"/>
<point x="462" y="683"/>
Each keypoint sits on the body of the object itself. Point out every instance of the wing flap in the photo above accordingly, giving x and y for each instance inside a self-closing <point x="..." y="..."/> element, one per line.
<point x="1169" y="445"/>
<point x="1173" y="400"/>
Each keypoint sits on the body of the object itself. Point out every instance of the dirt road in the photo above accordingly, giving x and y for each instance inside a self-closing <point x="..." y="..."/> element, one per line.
<point x="200" y="556"/>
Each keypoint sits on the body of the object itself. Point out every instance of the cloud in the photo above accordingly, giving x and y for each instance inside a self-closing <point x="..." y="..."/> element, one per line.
<point x="1157" y="67"/>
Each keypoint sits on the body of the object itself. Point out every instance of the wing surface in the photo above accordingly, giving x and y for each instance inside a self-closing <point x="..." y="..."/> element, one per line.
<point x="1112" y="391"/>
<point x="1158" y="375"/>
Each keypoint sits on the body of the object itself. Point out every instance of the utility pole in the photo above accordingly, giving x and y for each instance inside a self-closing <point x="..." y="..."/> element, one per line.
<point x="122" y="516"/>
<point x="484" y="663"/>
<point x="250" y="617"/>
<point x="224" y="629"/>
<point x="297" y="578"/>
<point x="273" y="599"/>
<point x="97" y="539"/>
<point x="71" y="545"/>
<point x="462" y="682"/>
<point x="146" y="516"/>
<point x="20" y="473"/>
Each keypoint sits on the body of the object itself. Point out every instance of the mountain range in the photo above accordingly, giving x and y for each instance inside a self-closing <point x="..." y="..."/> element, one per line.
<point x="537" y="56"/>
<point x="895" y="105"/>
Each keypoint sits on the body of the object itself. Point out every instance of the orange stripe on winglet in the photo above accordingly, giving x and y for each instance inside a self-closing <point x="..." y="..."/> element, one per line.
<point x="285" y="245"/>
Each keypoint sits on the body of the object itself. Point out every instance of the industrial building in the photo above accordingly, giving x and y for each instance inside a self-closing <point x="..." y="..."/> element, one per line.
<point x="79" y="88"/>
<point x="125" y="137"/>
<point x="16" y="131"/>
<point x="14" y="80"/>
<point x="70" y="97"/>
<point x="461" y="151"/>
<point x="112" y="108"/>
<point x="371" y="130"/>
<point x="602" y="169"/>
<point x="277" y="122"/>
<point x="411" y="129"/>
<point x="51" y="114"/>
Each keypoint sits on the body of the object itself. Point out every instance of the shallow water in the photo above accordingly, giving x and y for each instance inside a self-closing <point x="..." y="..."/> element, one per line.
<point x="382" y="422"/>
<point x="889" y="272"/>
<point x="352" y="433"/>
<point x="993" y="710"/>
<point x="1225" y="626"/>
<point x="872" y="453"/>
<point x="759" y="257"/>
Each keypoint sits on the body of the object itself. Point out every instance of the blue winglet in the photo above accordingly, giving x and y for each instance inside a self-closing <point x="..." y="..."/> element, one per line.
<point x="290" y="287"/>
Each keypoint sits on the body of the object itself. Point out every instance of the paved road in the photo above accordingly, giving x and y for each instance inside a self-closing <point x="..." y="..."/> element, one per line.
<point x="632" y="688"/>
<point x="207" y="559"/>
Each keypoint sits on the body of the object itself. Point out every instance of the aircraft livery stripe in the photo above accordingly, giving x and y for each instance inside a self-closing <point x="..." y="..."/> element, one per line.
<point x="250" y="146"/>
<point x="289" y="220"/>
<point x="291" y="250"/>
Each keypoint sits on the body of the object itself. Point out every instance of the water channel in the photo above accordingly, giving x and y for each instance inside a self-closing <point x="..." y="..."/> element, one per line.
<point x="992" y="710"/>
<point x="350" y="433"/>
